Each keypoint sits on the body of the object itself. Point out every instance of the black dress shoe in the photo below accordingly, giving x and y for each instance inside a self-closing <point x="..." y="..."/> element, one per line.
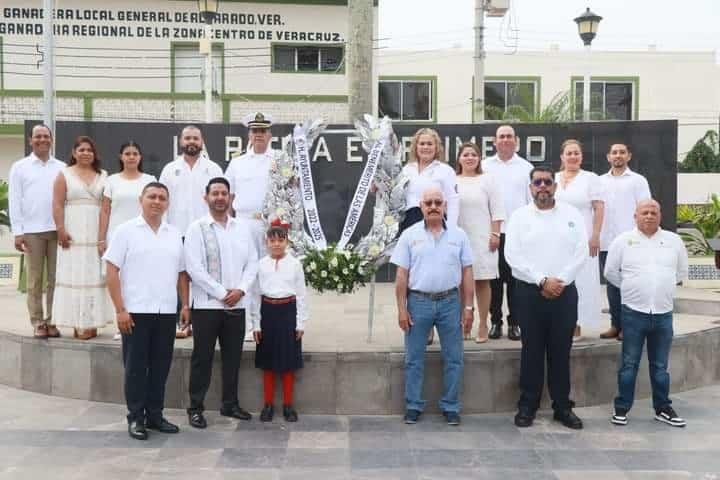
<point x="495" y="331"/>
<point x="267" y="413"/>
<point x="514" y="332"/>
<point x="235" y="412"/>
<point x="524" y="418"/>
<point x="162" y="426"/>
<point x="289" y="413"/>
<point x="137" y="430"/>
<point x="568" y="418"/>
<point x="197" y="420"/>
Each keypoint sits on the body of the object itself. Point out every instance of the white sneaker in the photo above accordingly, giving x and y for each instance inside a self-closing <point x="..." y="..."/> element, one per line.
<point x="117" y="336"/>
<point x="667" y="415"/>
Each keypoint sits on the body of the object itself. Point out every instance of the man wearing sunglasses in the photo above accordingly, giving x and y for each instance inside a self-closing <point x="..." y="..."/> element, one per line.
<point x="546" y="247"/>
<point x="434" y="280"/>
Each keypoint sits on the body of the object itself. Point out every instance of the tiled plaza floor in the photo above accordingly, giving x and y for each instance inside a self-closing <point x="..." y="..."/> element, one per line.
<point x="45" y="437"/>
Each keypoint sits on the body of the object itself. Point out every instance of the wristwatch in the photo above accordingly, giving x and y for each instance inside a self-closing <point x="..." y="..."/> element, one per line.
<point x="470" y="308"/>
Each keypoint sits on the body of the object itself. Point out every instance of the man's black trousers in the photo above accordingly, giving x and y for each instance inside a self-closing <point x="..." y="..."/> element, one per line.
<point x="209" y="326"/>
<point x="147" y="355"/>
<point x="547" y="329"/>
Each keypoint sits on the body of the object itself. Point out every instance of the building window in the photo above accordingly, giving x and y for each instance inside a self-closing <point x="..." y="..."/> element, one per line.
<point x="406" y="99"/>
<point x="308" y="59"/>
<point x="609" y="100"/>
<point x="505" y="96"/>
<point x="189" y="69"/>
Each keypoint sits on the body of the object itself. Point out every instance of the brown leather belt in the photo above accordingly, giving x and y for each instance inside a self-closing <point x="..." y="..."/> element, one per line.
<point x="278" y="301"/>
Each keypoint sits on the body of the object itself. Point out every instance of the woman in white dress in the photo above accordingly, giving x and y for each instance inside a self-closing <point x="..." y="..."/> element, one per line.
<point x="481" y="213"/>
<point x="583" y="190"/>
<point x="120" y="201"/>
<point x="81" y="300"/>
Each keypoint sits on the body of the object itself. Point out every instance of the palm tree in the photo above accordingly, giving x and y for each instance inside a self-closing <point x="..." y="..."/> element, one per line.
<point x="4" y="216"/>
<point x="559" y="110"/>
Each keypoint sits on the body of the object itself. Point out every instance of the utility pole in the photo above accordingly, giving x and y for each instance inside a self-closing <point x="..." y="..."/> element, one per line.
<point x="206" y="48"/>
<point x="48" y="66"/>
<point x="359" y="58"/>
<point x="479" y="64"/>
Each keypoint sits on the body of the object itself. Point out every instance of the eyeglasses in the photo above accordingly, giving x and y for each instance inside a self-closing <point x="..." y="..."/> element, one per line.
<point x="543" y="181"/>
<point x="430" y="203"/>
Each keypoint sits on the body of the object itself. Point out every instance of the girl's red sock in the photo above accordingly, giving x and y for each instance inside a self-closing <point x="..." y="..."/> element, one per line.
<point x="269" y="386"/>
<point x="288" y="381"/>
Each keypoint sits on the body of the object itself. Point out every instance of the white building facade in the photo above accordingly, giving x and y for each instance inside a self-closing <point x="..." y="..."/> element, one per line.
<point x="139" y="60"/>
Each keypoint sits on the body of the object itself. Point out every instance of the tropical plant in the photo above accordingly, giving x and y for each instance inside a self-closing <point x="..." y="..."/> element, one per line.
<point x="704" y="156"/>
<point x="558" y="110"/>
<point x="706" y="222"/>
<point x="4" y="214"/>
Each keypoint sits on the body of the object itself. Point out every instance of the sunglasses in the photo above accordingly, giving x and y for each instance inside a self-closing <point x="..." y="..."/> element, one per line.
<point x="543" y="181"/>
<point x="430" y="203"/>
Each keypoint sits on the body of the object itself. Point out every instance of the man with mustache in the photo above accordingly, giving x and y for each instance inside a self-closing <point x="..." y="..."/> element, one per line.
<point x="186" y="178"/>
<point x="546" y="247"/>
<point x="434" y="280"/>
<point x="645" y="264"/>
<point x="624" y="190"/>
<point x="222" y="264"/>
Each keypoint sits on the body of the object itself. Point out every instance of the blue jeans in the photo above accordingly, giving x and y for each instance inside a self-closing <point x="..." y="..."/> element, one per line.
<point x="445" y="314"/>
<point x="657" y="329"/>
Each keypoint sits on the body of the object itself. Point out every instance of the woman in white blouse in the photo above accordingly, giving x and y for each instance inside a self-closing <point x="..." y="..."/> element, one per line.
<point x="583" y="190"/>
<point x="427" y="167"/>
<point x="120" y="201"/>
<point x="482" y="211"/>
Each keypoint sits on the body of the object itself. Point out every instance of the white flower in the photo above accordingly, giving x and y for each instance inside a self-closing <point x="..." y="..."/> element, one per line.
<point x="345" y="271"/>
<point x="313" y="266"/>
<point x="361" y="270"/>
<point x="374" y="250"/>
<point x="346" y="254"/>
<point x="340" y="286"/>
<point x="286" y="172"/>
<point x="389" y="220"/>
<point x="334" y="262"/>
<point x="336" y="278"/>
<point x="323" y="274"/>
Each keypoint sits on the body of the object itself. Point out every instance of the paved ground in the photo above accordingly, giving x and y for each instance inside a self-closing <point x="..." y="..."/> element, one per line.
<point x="339" y="323"/>
<point x="53" y="438"/>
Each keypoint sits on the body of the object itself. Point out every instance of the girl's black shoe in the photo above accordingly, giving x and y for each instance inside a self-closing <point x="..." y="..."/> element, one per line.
<point x="267" y="413"/>
<point x="289" y="413"/>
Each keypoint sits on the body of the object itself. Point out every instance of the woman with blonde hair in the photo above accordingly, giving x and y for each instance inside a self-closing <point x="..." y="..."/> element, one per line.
<point x="427" y="167"/>
<point x="481" y="212"/>
<point x="583" y="190"/>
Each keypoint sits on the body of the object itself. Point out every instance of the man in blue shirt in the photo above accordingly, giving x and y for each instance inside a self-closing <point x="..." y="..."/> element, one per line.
<point x="433" y="259"/>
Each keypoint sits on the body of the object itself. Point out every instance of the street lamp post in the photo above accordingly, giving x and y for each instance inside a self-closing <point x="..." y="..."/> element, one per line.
<point x="208" y="12"/>
<point x="587" y="29"/>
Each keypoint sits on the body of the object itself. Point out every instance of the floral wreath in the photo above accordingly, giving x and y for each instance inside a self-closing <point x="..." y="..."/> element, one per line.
<point x="337" y="267"/>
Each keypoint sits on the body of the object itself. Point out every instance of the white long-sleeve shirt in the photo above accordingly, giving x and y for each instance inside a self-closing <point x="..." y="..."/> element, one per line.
<point x="281" y="279"/>
<point x="622" y="194"/>
<point x="238" y="264"/>
<point x="437" y="174"/>
<point x="546" y="243"/>
<point x="646" y="269"/>
<point x="513" y="179"/>
<point x="187" y="188"/>
<point x="30" y="194"/>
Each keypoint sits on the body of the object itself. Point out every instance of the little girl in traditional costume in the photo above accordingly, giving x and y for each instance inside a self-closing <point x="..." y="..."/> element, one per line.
<point x="279" y="325"/>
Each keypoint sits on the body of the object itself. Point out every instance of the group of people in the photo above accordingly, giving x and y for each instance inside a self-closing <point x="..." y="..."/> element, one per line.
<point x="545" y="236"/>
<point x="158" y="257"/>
<point x="190" y="254"/>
